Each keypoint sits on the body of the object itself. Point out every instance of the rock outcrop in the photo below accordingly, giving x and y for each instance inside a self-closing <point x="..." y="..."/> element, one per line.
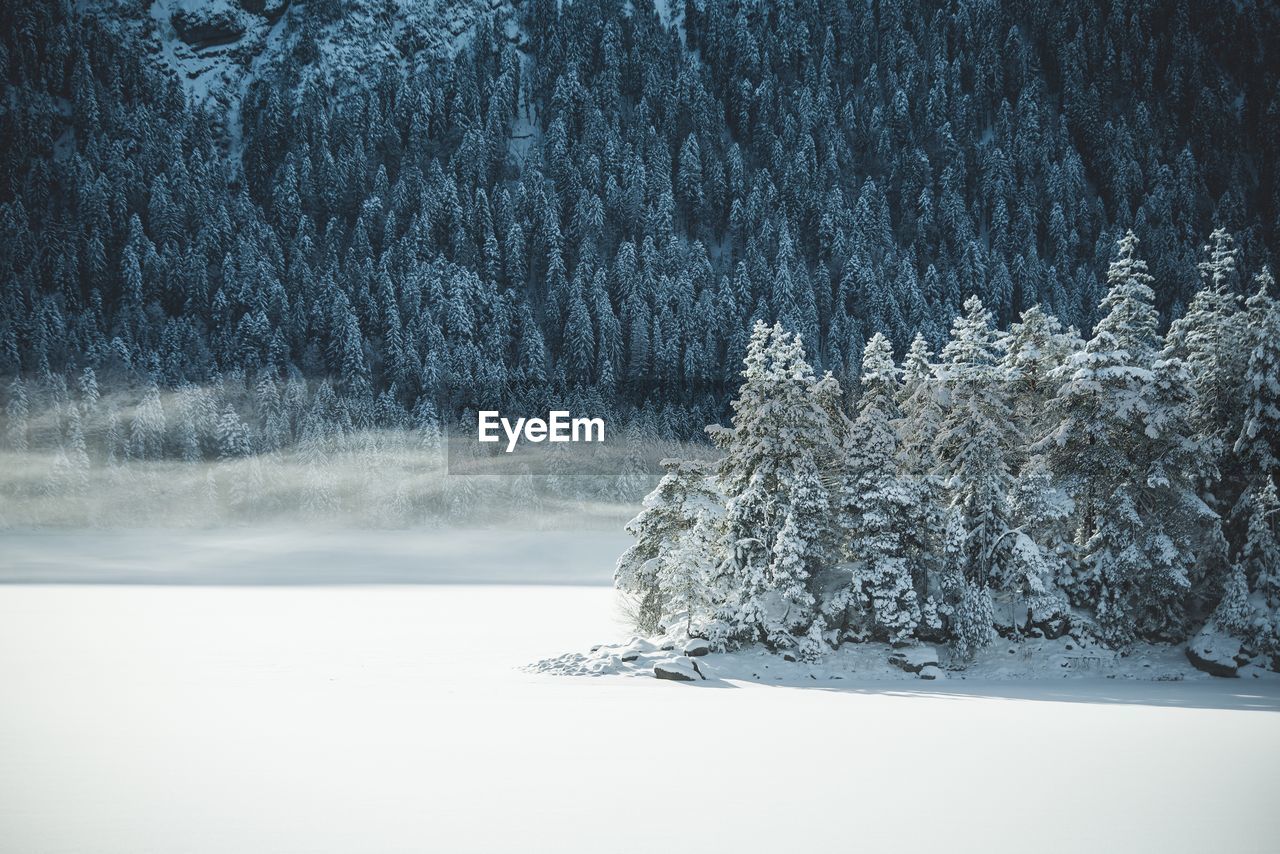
<point x="212" y="27"/>
<point x="1214" y="652"/>
<point x="914" y="659"/>
<point x="696" y="647"/>
<point x="269" y="9"/>
<point x="681" y="669"/>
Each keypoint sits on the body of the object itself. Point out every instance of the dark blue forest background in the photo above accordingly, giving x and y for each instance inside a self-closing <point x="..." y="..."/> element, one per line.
<point x="593" y="208"/>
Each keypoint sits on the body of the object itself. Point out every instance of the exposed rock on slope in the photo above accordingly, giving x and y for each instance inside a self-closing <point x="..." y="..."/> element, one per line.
<point x="212" y="26"/>
<point x="219" y="47"/>
<point x="269" y="9"/>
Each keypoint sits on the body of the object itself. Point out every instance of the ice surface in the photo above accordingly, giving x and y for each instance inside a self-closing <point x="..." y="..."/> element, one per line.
<point x="384" y="719"/>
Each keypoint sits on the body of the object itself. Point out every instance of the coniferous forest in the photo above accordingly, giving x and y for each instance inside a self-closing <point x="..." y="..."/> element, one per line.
<point x="999" y="274"/>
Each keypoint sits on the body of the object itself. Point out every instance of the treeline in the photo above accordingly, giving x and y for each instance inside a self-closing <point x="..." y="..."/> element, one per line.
<point x="1123" y="486"/>
<point x="606" y="201"/>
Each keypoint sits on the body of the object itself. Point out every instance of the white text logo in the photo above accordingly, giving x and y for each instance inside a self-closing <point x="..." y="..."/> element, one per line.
<point x="558" y="427"/>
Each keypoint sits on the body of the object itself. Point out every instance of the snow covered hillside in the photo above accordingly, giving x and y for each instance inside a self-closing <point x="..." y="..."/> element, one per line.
<point x="217" y="48"/>
<point x="383" y="719"/>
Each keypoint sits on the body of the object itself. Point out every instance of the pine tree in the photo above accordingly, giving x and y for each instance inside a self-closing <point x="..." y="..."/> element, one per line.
<point x="920" y="421"/>
<point x="16" y="414"/>
<point x="1043" y="558"/>
<point x="146" y="432"/>
<point x="877" y="505"/>
<point x="188" y="435"/>
<point x="579" y="342"/>
<point x="1207" y="339"/>
<point x="319" y="496"/>
<point x="1129" y="322"/>
<point x="77" y="453"/>
<point x="1260" y="428"/>
<point x="776" y="526"/>
<point x="89" y="394"/>
<point x="967" y="604"/>
<point x="1123" y="451"/>
<point x="1260" y="556"/>
<point x="1183" y="542"/>
<point x="690" y="180"/>
<point x="1035" y="348"/>
<point x="1234" y="614"/>
<point x="921" y="410"/>
<point x="233" y="436"/>
<point x="797" y="556"/>
<point x="666" y="570"/>
<point x="977" y="439"/>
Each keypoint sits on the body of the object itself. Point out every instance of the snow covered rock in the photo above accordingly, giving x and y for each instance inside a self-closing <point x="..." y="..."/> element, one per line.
<point x="1214" y="652"/>
<point x="932" y="671"/>
<point x="605" y="666"/>
<point x="680" y="669"/>
<point x="914" y="659"/>
<point x="269" y="9"/>
<point x="696" y="647"/>
<point x="637" y="648"/>
<point x="1053" y="627"/>
<point x="208" y="25"/>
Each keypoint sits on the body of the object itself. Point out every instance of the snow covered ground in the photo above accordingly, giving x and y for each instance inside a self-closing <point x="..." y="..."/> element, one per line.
<point x="397" y="718"/>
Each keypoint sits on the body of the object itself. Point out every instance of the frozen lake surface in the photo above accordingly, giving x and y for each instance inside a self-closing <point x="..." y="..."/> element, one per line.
<point x="348" y="718"/>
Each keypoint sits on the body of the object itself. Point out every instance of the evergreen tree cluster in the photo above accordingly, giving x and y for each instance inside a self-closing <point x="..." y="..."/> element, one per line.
<point x="1122" y="485"/>
<point x="601" y="201"/>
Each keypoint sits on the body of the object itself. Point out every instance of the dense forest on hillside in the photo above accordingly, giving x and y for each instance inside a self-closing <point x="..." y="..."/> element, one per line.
<point x="594" y="201"/>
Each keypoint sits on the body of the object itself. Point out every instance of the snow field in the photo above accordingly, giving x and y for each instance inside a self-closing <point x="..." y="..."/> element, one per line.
<point x="388" y="718"/>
